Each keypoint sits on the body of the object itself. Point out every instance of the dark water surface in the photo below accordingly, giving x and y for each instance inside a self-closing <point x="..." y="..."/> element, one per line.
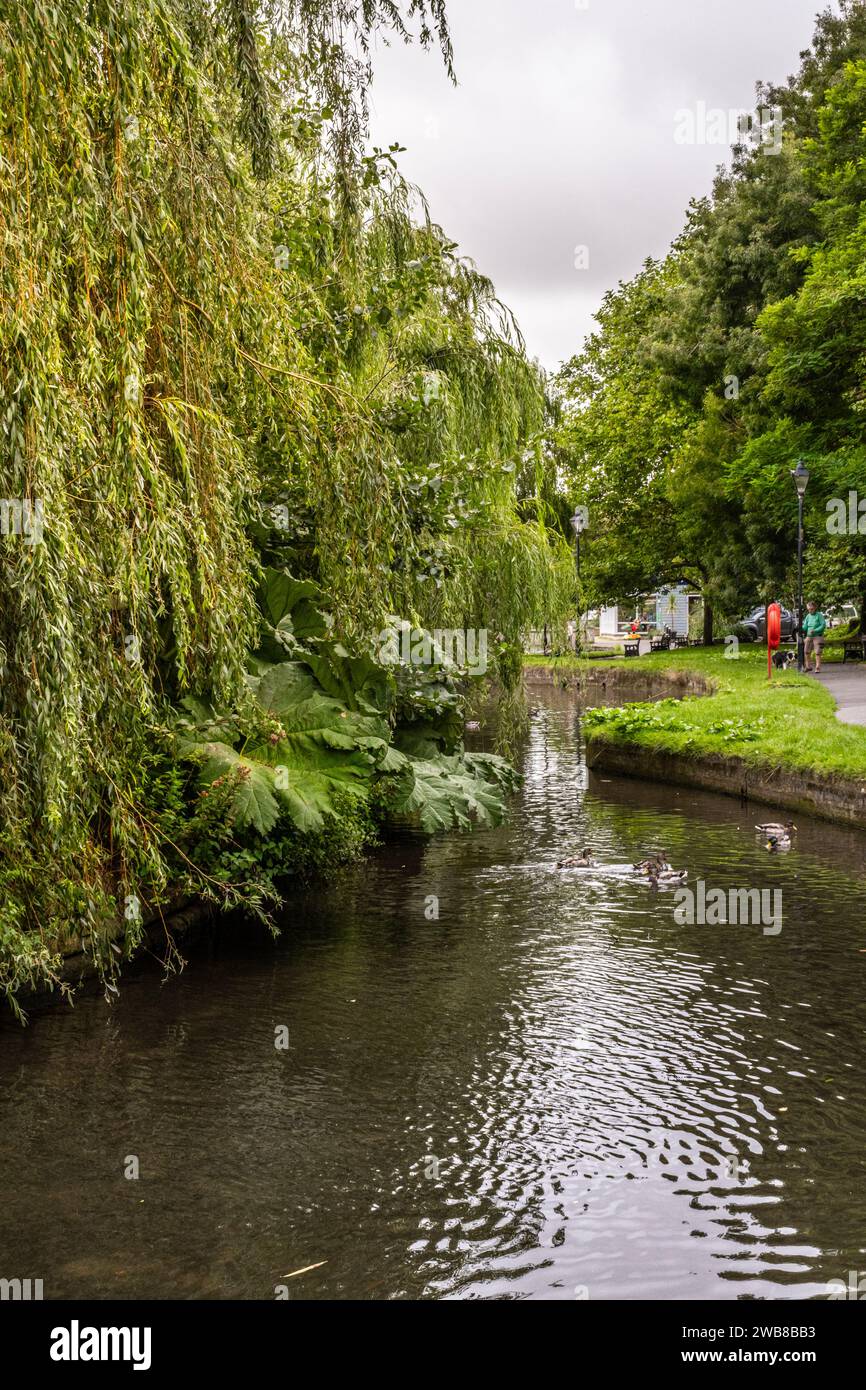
<point x="552" y="1091"/>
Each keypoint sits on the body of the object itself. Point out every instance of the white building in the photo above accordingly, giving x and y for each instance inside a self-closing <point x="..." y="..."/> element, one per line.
<point x="669" y="607"/>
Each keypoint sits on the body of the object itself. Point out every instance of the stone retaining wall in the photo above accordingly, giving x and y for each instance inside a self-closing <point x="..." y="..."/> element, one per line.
<point x="614" y="682"/>
<point x="833" y="798"/>
<point x="836" y="799"/>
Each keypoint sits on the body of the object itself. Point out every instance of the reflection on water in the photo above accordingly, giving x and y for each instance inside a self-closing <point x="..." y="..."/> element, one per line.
<point x="550" y="1091"/>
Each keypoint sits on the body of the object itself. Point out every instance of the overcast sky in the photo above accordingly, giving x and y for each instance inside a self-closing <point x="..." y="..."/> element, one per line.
<point x="563" y="133"/>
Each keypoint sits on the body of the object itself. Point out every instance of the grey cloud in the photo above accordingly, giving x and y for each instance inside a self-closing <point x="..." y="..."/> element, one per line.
<point x="561" y="133"/>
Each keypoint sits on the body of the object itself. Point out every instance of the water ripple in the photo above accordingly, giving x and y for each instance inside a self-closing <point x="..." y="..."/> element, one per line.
<point x="551" y="1091"/>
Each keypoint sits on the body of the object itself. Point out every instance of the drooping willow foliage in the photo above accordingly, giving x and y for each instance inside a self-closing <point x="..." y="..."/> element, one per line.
<point x="411" y="500"/>
<point x="216" y="311"/>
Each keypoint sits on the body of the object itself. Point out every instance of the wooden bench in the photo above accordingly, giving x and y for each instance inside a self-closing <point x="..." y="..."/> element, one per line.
<point x="660" y="644"/>
<point x="854" y="649"/>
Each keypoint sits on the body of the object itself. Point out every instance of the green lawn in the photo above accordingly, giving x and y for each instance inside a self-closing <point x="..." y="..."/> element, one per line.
<point x="788" y="723"/>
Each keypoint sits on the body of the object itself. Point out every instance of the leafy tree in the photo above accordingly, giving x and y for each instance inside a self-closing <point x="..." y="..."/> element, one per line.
<point x="746" y="353"/>
<point x="222" y="326"/>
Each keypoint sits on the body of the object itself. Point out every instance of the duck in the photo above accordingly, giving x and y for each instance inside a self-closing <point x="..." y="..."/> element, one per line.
<point x="775" y="829"/>
<point x="656" y="863"/>
<point x="668" y="878"/>
<point x="578" y="861"/>
<point x="777" y="842"/>
<point x="672" y="875"/>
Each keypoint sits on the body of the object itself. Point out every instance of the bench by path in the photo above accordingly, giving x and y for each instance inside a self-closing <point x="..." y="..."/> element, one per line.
<point x="847" y="685"/>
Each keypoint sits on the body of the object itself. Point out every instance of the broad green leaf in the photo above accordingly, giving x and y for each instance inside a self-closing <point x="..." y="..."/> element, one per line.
<point x="254" y="803"/>
<point x="441" y="795"/>
<point x="358" y="681"/>
<point x="289" y="602"/>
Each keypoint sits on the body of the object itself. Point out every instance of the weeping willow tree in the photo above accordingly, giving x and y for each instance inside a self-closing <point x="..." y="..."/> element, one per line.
<point x="215" y="305"/>
<point x="427" y="496"/>
<point x="131" y="308"/>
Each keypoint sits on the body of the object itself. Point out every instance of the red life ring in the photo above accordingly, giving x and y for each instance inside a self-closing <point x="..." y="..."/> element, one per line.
<point x="774" y="625"/>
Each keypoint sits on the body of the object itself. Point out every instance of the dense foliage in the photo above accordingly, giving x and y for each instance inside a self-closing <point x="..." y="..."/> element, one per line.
<point x="713" y="370"/>
<point x="788" y="727"/>
<point x="233" y="345"/>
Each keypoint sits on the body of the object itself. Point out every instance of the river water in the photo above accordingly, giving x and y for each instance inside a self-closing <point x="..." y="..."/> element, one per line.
<point x="551" y="1090"/>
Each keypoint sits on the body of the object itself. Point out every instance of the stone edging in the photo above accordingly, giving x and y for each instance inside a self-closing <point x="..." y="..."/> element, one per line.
<point x="176" y="922"/>
<point x="836" y="799"/>
<point x="832" y="798"/>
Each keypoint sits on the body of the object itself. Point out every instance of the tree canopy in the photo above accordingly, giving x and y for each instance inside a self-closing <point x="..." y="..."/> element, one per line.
<point x="712" y="371"/>
<point x="232" y="339"/>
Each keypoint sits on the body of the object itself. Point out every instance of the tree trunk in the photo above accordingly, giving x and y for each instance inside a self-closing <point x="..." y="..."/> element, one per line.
<point x="708" y="624"/>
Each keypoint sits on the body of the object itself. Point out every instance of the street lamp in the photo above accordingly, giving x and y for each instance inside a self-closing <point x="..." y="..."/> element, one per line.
<point x="578" y="524"/>
<point x="800" y="474"/>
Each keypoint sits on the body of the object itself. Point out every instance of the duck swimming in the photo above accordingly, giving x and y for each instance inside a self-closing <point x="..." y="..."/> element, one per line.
<point x="578" y="861"/>
<point x="668" y="878"/>
<point x="777" y="842"/>
<point x="775" y="829"/>
<point x="654" y="865"/>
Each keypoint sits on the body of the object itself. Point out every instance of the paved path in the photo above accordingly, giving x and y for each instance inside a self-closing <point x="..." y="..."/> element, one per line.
<point x="847" y="685"/>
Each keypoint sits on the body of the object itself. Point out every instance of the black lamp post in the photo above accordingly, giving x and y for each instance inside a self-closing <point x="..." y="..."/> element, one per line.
<point x="578" y="524"/>
<point x="800" y="474"/>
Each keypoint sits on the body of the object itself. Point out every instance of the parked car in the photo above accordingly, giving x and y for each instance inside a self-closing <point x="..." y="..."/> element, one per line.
<point x="843" y="616"/>
<point x="754" y="626"/>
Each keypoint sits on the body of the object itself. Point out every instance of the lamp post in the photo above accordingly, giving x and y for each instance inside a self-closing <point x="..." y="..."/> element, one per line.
<point x="578" y="525"/>
<point x="800" y="474"/>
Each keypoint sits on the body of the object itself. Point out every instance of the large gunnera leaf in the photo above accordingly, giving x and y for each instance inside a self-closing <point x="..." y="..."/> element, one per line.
<point x="358" y="681"/>
<point x="254" y="803"/>
<point x="283" y="598"/>
<point x="317" y="749"/>
<point x="444" y="794"/>
<point x="320" y="740"/>
<point x="292" y="696"/>
<point x="290" y="616"/>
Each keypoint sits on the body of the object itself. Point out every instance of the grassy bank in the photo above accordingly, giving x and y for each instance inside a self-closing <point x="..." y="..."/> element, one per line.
<point x="790" y="723"/>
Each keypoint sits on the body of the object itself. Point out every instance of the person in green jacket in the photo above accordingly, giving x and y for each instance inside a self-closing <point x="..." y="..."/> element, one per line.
<point x="814" y="627"/>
